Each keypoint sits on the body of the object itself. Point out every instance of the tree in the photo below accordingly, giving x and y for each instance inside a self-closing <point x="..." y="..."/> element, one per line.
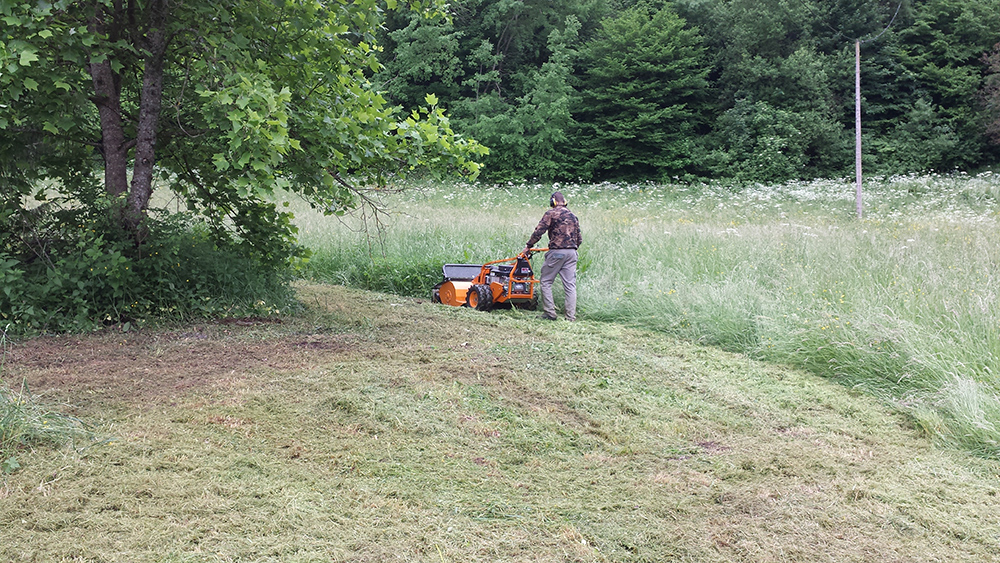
<point x="544" y="114"/>
<point x="644" y="96"/>
<point x="504" y="70"/>
<point x="223" y="102"/>
<point x="991" y="94"/>
<point x="531" y="131"/>
<point x="421" y="56"/>
<point x="939" y="48"/>
<point x="780" y="86"/>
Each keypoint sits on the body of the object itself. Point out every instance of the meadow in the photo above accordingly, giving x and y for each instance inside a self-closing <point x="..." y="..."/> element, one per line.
<point x="900" y="304"/>
<point x="373" y="427"/>
<point x="669" y="423"/>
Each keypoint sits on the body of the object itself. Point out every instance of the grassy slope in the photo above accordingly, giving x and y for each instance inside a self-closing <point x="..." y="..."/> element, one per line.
<point x="424" y="433"/>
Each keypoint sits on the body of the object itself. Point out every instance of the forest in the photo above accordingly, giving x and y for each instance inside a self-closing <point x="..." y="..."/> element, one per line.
<point x="736" y="90"/>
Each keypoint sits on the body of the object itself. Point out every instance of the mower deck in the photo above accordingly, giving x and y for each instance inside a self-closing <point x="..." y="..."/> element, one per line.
<point x="506" y="282"/>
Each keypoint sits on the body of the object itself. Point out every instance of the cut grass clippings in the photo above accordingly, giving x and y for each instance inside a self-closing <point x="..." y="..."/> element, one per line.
<point x="380" y="428"/>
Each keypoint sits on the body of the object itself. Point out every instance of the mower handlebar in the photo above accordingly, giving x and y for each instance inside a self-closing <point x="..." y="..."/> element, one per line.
<point x="525" y="255"/>
<point x="532" y="251"/>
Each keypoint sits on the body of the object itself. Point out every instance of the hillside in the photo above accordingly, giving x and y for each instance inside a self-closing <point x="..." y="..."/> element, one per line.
<point x="380" y="428"/>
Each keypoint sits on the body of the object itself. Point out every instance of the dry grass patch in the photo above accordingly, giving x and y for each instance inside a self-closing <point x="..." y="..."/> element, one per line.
<point x="378" y="428"/>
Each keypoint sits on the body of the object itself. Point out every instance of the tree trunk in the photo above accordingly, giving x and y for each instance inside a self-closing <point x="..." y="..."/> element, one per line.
<point x="107" y="98"/>
<point x="150" y="103"/>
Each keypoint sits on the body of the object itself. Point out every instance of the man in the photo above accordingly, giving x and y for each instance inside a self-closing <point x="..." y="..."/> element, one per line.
<point x="563" y="229"/>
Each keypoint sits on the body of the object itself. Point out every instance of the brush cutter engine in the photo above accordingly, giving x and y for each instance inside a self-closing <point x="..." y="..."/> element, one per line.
<point x="507" y="282"/>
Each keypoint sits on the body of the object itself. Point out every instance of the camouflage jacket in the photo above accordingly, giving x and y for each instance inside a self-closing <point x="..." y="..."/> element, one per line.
<point x="562" y="226"/>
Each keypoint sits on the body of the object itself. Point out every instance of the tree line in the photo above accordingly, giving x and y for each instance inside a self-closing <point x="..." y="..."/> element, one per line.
<point x="746" y="90"/>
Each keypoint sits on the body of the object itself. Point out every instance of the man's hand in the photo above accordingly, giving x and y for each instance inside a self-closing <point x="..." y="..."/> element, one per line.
<point x="527" y="251"/>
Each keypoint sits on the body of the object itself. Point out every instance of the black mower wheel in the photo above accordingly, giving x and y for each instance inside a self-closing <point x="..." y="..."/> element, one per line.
<point x="435" y="295"/>
<point x="479" y="298"/>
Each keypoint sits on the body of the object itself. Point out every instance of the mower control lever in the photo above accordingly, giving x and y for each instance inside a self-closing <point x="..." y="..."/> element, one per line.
<point x="527" y="253"/>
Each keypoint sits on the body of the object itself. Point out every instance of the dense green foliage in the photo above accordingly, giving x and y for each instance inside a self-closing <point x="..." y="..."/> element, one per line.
<point x="750" y="90"/>
<point x="991" y="94"/>
<point x="72" y="268"/>
<point x="217" y="104"/>
<point x="643" y="82"/>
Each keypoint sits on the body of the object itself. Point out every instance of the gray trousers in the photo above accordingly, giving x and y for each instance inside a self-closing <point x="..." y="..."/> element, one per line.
<point x="561" y="262"/>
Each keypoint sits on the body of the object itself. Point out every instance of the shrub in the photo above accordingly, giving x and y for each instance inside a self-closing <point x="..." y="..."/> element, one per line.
<point x="73" y="269"/>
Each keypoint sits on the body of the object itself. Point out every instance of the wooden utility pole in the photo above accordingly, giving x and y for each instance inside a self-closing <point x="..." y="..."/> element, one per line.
<point x="857" y="123"/>
<point x="857" y="108"/>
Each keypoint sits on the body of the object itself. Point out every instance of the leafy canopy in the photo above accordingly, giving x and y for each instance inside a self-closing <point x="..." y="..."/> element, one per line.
<point x="221" y="103"/>
<point x="253" y="96"/>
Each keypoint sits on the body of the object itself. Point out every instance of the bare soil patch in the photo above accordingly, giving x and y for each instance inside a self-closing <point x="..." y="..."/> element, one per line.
<point x="144" y="368"/>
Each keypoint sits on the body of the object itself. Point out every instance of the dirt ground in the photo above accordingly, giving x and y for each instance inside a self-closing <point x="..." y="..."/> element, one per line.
<point x="154" y="367"/>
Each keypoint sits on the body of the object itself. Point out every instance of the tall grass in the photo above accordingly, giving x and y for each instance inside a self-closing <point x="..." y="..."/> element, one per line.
<point x="901" y="304"/>
<point x="26" y="423"/>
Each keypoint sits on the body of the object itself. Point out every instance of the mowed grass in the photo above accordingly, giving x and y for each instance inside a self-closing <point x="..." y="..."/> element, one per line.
<point x="382" y="428"/>
<point x="901" y="304"/>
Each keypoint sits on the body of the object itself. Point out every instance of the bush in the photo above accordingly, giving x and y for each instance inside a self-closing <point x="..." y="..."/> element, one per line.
<point x="762" y="143"/>
<point x="74" y="270"/>
<point x="923" y="142"/>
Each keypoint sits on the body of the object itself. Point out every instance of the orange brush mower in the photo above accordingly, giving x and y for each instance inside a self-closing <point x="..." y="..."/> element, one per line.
<point x="507" y="282"/>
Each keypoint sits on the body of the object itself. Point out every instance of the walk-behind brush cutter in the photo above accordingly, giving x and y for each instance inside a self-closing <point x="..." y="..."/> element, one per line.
<point x="506" y="282"/>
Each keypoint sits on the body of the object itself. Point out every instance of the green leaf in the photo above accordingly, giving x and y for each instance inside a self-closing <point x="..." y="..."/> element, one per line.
<point x="221" y="162"/>
<point x="289" y="78"/>
<point x="28" y="57"/>
<point x="10" y="465"/>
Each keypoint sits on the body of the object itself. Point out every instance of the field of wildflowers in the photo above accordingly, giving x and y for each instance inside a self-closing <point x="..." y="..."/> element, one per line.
<point x="901" y="303"/>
